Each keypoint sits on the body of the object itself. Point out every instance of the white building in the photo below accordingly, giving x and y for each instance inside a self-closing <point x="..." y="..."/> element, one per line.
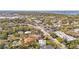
<point x="64" y="36"/>
<point x="42" y="42"/>
<point x="76" y="30"/>
<point x="27" y="32"/>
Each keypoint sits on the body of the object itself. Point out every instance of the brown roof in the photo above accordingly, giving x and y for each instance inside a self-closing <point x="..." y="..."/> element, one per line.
<point x="30" y="39"/>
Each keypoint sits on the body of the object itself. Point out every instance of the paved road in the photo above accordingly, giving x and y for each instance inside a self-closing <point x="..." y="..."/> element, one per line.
<point x="59" y="45"/>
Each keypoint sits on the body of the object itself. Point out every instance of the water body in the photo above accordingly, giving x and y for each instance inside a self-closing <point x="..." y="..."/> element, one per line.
<point x="65" y="12"/>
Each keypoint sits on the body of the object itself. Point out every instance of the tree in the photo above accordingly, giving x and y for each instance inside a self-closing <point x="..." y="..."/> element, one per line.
<point x="60" y="39"/>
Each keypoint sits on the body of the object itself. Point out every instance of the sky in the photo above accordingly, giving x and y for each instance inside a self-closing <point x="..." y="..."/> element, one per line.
<point x="39" y="5"/>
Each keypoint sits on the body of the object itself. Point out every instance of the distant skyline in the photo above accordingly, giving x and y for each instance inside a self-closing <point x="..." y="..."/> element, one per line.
<point x="43" y="11"/>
